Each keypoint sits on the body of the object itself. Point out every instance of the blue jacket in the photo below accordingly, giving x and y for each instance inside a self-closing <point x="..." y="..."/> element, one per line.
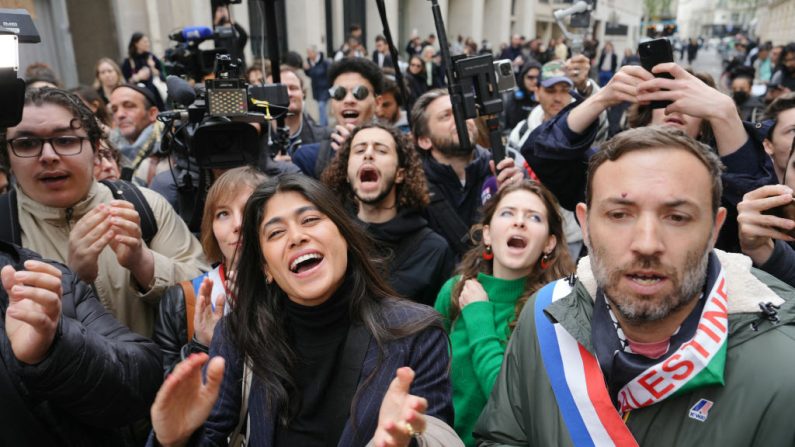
<point x="559" y="157"/>
<point x="426" y="353"/>
<point x="318" y="73"/>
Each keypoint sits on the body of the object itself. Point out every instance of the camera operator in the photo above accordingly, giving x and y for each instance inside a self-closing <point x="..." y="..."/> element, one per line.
<point x="229" y="35"/>
<point x="558" y="151"/>
<point x="457" y="176"/>
<point x="302" y="128"/>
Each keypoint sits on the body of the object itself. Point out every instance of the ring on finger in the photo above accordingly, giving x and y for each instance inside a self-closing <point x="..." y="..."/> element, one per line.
<point x="410" y="430"/>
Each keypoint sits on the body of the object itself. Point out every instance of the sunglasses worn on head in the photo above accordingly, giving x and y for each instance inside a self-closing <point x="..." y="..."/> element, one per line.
<point x="339" y="92"/>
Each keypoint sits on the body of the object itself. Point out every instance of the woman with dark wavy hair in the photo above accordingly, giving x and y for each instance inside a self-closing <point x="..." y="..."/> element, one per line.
<point x="521" y="248"/>
<point x="322" y="334"/>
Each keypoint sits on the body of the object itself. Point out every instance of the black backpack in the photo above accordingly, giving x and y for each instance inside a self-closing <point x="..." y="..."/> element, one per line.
<point x="121" y="189"/>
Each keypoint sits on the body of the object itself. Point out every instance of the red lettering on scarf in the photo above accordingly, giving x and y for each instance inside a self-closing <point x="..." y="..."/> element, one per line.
<point x="650" y="386"/>
<point x="703" y="327"/>
<point x="719" y="303"/>
<point x="625" y="396"/>
<point x="670" y="366"/>
<point x="700" y="349"/>
<point x="713" y="317"/>
<point x="721" y="291"/>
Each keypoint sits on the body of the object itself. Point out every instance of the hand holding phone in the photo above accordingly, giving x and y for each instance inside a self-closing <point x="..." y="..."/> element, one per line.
<point x="652" y="53"/>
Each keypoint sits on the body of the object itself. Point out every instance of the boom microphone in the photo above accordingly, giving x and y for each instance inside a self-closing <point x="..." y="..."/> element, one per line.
<point x="191" y="34"/>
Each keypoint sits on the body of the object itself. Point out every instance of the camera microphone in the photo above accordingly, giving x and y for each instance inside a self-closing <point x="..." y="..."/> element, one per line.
<point x="180" y="91"/>
<point x="191" y="34"/>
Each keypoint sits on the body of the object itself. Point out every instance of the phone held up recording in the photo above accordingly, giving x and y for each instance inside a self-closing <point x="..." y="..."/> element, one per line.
<point x="655" y="52"/>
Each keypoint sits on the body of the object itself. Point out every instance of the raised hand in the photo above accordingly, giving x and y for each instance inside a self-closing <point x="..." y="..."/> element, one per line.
<point x="340" y="135"/>
<point x="205" y="318"/>
<point x="508" y="172"/>
<point x="184" y="402"/>
<point x="471" y="292"/>
<point x="757" y="230"/>
<point x="34" y="309"/>
<point x="402" y="414"/>
<point x="90" y="235"/>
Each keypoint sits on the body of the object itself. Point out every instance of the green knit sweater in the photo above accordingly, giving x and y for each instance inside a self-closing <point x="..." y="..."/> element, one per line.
<point x="478" y="339"/>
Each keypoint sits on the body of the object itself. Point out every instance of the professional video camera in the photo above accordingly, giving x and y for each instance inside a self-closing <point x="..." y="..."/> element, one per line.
<point x="185" y="58"/>
<point x="211" y="128"/>
<point x="476" y="85"/>
<point x="16" y="27"/>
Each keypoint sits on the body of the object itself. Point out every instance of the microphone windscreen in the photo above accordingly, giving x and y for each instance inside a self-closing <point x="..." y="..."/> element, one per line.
<point x="180" y="91"/>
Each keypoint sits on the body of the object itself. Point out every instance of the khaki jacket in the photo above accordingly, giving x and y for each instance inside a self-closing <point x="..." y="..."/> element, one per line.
<point x="177" y="253"/>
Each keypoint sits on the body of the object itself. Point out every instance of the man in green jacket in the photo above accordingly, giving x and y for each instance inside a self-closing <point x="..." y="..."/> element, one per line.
<point x="660" y="340"/>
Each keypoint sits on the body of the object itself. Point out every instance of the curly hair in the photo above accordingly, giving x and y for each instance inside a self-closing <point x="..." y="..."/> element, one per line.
<point x="411" y="193"/>
<point x="365" y="67"/>
<point x="560" y="263"/>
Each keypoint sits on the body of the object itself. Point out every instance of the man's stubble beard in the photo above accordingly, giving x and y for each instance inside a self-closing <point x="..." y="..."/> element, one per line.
<point x="638" y="310"/>
<point x="451" y="148"/>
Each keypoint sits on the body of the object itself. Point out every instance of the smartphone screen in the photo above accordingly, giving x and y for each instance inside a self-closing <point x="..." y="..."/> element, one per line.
<point x="654" y="52"/>
<point x="9" y="51"/>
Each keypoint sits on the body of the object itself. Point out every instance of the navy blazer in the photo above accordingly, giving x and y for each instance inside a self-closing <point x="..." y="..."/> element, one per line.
<point x="426" y="353"/>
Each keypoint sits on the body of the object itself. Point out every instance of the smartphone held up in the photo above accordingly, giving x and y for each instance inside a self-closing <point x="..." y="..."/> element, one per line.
<point x="652" y="53"/>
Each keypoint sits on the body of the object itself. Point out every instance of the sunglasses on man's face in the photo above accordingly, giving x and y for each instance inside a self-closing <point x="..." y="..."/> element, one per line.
<point x="339" y="92"/>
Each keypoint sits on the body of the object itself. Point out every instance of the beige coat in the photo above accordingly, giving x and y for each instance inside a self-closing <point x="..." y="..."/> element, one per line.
<point x="178" y="255"/>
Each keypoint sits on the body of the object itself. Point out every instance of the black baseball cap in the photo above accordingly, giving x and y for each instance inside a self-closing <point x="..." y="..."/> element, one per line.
<point x="150" y="97"/>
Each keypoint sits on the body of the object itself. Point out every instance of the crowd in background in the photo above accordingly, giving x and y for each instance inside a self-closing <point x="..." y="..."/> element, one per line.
<point x="363" y="174"/>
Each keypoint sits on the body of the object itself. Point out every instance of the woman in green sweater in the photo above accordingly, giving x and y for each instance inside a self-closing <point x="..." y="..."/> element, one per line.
<point x="521" y="248"/>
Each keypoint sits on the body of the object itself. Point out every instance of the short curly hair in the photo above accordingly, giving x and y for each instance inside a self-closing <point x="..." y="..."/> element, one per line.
<point x="412" y="193"/>
<point x="365" y="67"/>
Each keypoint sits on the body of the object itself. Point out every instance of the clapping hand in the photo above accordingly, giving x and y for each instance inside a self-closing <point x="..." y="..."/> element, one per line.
<point x="402" y="415"/>
<point x="184" y="402"/>
<point x="34" y="309"/>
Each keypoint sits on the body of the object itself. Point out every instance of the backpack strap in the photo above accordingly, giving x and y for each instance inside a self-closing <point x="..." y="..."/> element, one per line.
<point x="409" y="245"/>
<point x="124" y="190"/>
<point x="190" y="306"/>
<point x="448" y="221"/>
<point x="10" y="231"/>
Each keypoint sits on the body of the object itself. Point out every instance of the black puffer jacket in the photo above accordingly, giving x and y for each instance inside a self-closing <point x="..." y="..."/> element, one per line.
<point x="98" y="375"/>
<point x="418" y="270"/>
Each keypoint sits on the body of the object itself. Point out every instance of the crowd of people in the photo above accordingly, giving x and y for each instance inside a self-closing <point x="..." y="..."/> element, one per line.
<point x="624" y="277"/>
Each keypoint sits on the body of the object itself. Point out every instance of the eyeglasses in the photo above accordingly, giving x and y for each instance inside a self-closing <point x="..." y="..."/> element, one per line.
<point x="106" y="154"/>
<point x="30" y="147"/>
<point x="339" y="92"/>
<point x="415" y="65"/>
<point x="531" y="78"/>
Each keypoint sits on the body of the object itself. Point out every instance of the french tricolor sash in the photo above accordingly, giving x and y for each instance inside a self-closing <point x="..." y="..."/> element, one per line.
<point x="578" y="384"/>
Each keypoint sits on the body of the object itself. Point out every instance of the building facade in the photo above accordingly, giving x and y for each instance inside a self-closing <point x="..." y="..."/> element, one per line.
<point x="76" y="33"/>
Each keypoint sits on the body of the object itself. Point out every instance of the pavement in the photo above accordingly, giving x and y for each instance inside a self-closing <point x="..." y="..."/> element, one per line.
<point x="708" y="61"/>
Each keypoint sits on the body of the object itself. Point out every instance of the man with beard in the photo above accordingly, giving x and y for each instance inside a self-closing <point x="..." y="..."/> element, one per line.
<point x="456" y="175"/>
<point x="660" y="339"/>
<point x="378" y="169"/>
